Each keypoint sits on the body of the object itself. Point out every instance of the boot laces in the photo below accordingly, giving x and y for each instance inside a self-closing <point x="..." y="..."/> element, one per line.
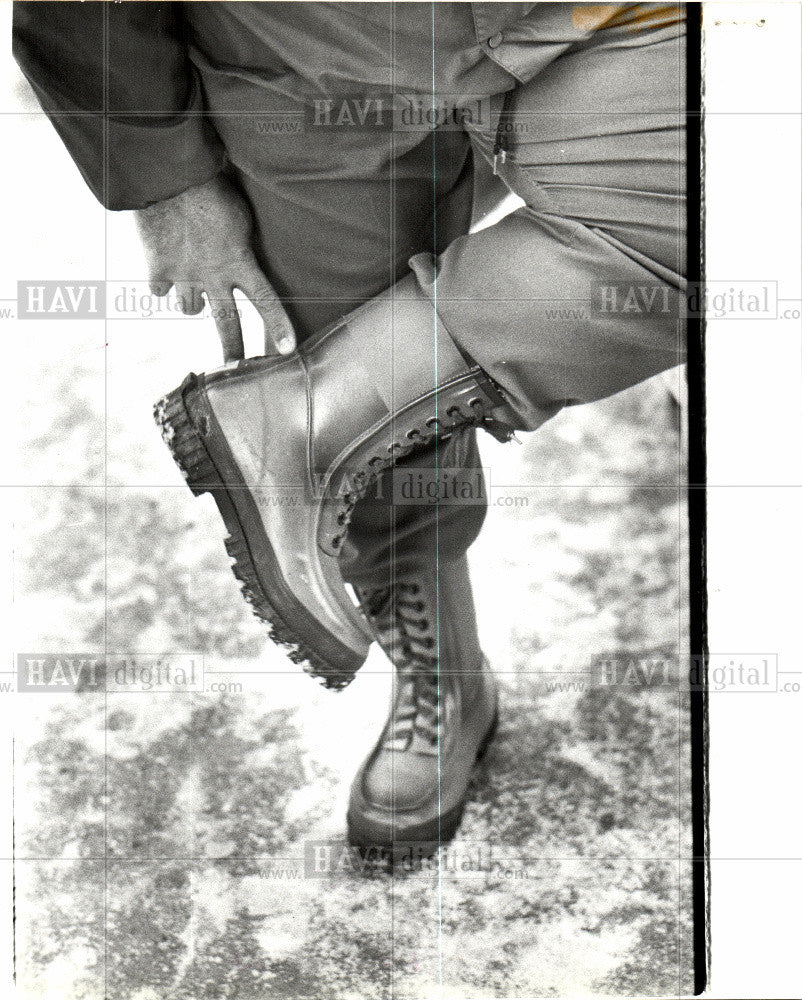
<point x="404" y="631"/>
<point x="413" y="440"/>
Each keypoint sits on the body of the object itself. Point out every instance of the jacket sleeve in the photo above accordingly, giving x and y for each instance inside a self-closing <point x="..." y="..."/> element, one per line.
<point x="117" y="83"/>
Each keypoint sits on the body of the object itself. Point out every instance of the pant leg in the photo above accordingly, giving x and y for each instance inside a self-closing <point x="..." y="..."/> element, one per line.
<point x="597" y="153"/>
<point x="596" y="150"/>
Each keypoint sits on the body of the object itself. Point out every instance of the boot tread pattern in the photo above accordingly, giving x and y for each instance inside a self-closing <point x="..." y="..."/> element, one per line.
<point x="197" y="468"/>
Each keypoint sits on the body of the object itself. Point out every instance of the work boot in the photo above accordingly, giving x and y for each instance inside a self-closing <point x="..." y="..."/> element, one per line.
<point x="410" y="792"/>
<point x="288" y="445"/>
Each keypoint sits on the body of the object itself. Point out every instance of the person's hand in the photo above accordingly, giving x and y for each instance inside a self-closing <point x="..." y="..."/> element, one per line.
<point x="200" y="241"/>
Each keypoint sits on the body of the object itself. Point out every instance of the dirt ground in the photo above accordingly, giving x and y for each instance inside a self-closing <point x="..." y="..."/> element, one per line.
<point x="162" y="837"/>
<point x="162" y="840"/>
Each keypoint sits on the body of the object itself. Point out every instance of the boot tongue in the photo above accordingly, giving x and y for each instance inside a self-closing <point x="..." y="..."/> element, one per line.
<point x="416" y="713"/>
<point x="402" y="726"/>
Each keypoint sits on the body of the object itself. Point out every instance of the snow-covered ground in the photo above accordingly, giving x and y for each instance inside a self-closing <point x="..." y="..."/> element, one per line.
<point x="160" y="838"/>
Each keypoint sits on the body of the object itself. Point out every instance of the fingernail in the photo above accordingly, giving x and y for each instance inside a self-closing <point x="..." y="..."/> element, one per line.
<point x="286" y="345"/>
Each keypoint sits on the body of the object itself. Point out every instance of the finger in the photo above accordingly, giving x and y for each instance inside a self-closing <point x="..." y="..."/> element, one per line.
<point x="160" y="286"/>
<point x="226" y="317"/>
<point x="189" y="298"/>
<point x="278" y="327"/>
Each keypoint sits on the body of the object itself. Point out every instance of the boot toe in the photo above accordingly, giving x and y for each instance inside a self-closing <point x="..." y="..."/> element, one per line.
<point x="400" y="783"/>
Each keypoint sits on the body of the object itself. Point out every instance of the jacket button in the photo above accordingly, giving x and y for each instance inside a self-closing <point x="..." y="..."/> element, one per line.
<point x="495" y="40"/>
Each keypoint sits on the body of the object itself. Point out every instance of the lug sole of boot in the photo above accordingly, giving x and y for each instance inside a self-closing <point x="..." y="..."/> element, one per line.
<point x="264" y="589"/>
<point x="380" y="849"/>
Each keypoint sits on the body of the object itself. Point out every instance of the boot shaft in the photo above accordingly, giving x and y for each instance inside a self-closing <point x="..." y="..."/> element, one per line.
<point x="425" y="620"/>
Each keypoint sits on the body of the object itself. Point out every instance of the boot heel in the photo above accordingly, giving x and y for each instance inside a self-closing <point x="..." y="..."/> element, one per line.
<point x="185" y="443"/>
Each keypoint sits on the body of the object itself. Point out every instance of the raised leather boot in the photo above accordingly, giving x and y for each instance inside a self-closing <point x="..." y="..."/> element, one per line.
<point x="288" y="445"/>
<point x="410" y="792"/>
